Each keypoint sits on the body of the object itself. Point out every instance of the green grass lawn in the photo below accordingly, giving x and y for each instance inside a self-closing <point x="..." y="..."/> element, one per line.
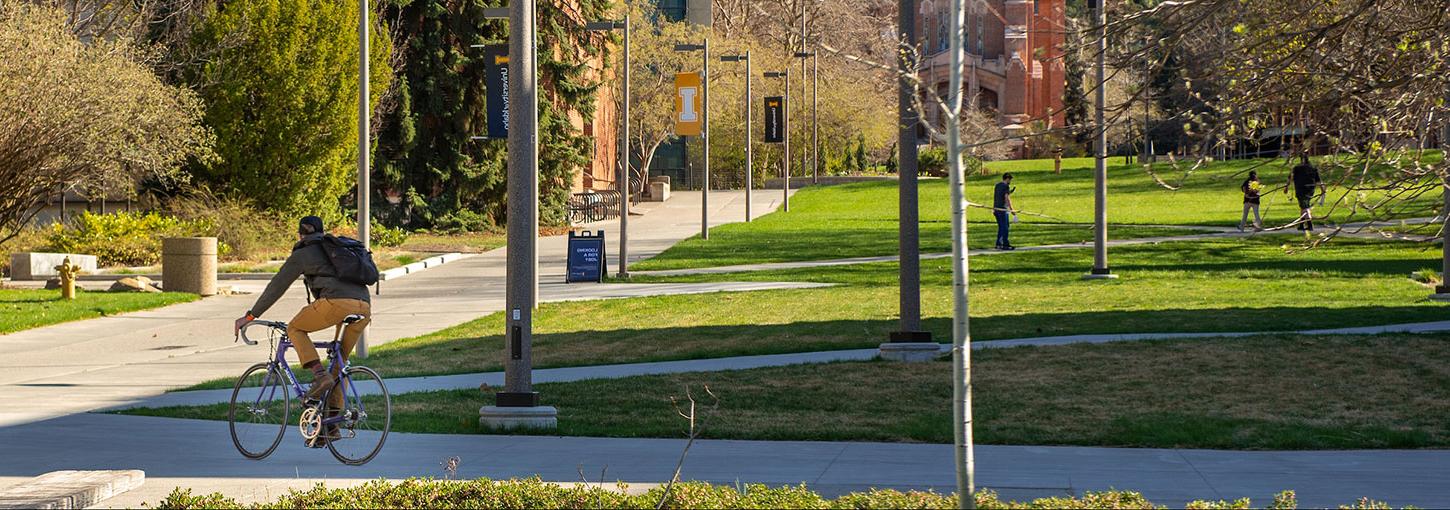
<point x="856" y="220"/>
<point x="22" y="309"/>
<point x="1269" y="392"/>
<point x="1221" y="285"/>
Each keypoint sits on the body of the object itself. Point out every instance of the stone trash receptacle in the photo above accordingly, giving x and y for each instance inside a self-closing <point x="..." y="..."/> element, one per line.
<point x="188" y="264"/>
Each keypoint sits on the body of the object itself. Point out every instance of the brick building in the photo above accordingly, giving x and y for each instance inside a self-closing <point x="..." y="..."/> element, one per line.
<point x="1014" y="57"/>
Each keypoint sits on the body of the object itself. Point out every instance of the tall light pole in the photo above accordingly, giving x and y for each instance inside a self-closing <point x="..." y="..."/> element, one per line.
<point x="909" y="254"/>
<point x="815" y="118"/>
<point x="749" y="134"/>
<point x="704" y="50"/>
<point x="518" y="405"/>
<point x="803" y="55"/>
<point x="364" y="126"/>
<point x="1100" y="150"/>
<point x="625" y="173"/>
<point x="785" y="130"/>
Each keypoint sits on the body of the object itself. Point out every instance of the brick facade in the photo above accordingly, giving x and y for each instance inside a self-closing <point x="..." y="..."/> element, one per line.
<point x="1014" y="57"/>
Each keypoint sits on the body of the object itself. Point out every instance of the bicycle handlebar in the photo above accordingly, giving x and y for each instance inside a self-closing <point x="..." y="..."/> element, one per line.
<point x="270" y="324"/>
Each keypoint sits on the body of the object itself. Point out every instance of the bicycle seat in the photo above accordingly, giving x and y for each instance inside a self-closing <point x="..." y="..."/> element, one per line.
<point x="347" y="321"/>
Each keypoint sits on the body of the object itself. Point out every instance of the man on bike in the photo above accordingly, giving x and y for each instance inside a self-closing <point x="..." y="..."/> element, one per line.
<point x="336" y="299"/>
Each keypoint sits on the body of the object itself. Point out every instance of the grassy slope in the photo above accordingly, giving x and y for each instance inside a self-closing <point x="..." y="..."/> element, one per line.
<point x="1226" y="285"/>
<point x="1273" y="392"/>
<point x="22" y="309"/>
<point x="860" y="219"/>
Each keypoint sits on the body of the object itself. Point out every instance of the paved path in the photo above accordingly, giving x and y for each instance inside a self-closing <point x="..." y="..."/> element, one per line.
<point x="79" y="366"/>
<point x="401" y="385"/>
<point x="167" y="448"/>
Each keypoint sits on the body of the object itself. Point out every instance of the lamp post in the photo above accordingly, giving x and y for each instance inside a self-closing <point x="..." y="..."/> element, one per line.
<point x="518" y="404"/>
<point x="815" y="118"/>
<point x="1100" y="269"/>
<point x="785" y="130"/>
<point x="803" y="55"/>
<point x="749" y="134"/>
<point x="623" y="181"/>
<point x="909" y="338"/>
<point x="364" y="188"/>
<point x="704" y="50"/>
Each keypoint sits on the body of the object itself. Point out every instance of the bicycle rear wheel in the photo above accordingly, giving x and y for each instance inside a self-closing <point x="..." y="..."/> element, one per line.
<point x="259" y="411"/>
<point x="367" y="415"/>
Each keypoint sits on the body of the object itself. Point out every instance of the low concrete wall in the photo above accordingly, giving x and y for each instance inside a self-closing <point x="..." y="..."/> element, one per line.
<point x="188" y="264"/>
<point x="41" y="266"/>
<point x="801" y="182"/>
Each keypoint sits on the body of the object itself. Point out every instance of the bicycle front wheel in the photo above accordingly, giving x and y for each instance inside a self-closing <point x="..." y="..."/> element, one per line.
<point x="260" y="408"/>
<point x="365" y="412"/>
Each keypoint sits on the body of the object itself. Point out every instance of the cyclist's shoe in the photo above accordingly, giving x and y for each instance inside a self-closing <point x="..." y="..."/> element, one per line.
<point x="320" y="384"/>
<point x="329" y="433"/>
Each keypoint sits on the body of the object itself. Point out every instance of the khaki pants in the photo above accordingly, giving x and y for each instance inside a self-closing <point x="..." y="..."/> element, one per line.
<point x="323" y="314"/>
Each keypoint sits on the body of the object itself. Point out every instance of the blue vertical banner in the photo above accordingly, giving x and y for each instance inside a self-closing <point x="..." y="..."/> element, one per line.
<point x="496" y="87"/>
<point x="774" y="119"/>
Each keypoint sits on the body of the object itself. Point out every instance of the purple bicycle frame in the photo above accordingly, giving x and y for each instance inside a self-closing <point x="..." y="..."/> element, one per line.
<point x="334" y="359"/>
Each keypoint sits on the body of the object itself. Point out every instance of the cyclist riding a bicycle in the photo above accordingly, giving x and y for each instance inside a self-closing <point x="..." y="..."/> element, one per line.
<point x="336" y="297"/>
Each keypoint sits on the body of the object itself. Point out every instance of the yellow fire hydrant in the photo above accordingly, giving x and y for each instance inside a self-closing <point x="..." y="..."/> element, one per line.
<point x="68" y="272"/>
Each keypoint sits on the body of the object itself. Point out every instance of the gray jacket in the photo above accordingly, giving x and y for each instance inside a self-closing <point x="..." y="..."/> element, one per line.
<point x="309" y="260"/>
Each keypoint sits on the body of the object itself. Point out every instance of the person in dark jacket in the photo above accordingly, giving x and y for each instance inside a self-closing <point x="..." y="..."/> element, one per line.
<point x="335" y="300"/>
<point x="1303" y="179"/>
<point x="1003" y="211"/>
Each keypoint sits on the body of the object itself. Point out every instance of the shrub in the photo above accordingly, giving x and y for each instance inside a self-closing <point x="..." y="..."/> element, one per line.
<point x="535" y="493"/>
<point x="130" y="239"/>
<point x="248" y="234"/>
<point x="932" y="161"/>
<point x="388" y="237"/>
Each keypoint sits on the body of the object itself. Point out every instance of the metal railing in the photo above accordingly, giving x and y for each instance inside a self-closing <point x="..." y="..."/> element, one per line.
<point x="593" y="206"/>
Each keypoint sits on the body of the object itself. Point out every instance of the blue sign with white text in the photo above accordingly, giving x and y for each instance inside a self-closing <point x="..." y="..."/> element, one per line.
<point x="586" y="257"/>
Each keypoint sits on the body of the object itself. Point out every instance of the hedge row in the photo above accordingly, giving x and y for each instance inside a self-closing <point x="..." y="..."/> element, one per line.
<point x="534" y="493"/>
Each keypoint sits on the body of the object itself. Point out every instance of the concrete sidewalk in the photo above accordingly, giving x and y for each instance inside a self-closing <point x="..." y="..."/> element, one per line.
<point x="79" y="366"/>
<point x="170" y="448"/>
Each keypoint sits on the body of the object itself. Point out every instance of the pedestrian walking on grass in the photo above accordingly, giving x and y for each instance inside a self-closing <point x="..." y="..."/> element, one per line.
<point x="1002" y="209"/>
<point x="1304" y="179"/>
<point x="1251" y="188"/>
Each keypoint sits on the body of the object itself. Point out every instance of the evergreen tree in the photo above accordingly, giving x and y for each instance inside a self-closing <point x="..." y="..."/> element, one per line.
<point x="425" y="155"/>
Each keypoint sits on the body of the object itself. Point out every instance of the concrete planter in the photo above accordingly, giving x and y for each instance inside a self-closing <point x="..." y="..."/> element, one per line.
<point x="188" y="264"/>
<point x="41" y="266"/>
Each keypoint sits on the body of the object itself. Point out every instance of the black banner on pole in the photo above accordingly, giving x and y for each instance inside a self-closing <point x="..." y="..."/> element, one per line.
<point x="774" y="119"/>
<point x="496" y="85"/>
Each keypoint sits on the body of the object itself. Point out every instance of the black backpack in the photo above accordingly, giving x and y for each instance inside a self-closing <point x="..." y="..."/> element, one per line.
<point x="351" y="262"/>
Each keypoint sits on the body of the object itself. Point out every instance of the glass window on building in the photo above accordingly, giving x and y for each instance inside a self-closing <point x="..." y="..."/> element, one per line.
<point x="673" y="10"/>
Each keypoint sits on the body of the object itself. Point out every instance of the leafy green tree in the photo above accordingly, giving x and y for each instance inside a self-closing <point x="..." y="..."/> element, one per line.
<point x="281" y="97"/>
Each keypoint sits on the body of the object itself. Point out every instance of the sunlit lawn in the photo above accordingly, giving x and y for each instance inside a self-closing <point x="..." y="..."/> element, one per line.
<point x="26" y="308"/>
<point x="1270" y="392"/>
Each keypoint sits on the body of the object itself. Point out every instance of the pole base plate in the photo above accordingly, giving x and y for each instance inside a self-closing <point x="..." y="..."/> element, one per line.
<point x="509" y="418"/>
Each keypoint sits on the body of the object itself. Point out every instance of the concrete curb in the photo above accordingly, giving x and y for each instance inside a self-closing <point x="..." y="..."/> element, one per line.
<point x="71" y="489"/>
<point x="399" y="272"/>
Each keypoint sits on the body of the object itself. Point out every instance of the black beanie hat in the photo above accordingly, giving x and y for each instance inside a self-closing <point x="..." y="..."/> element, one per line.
<point x="309" y="225"/>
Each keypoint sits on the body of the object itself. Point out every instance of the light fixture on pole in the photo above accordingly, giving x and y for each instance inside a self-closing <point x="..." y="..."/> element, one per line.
<point x="749" y="135"/>
<point x="704" y="50"/>
<point x="785" y="131"/>
<point x="623" y="181"/>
